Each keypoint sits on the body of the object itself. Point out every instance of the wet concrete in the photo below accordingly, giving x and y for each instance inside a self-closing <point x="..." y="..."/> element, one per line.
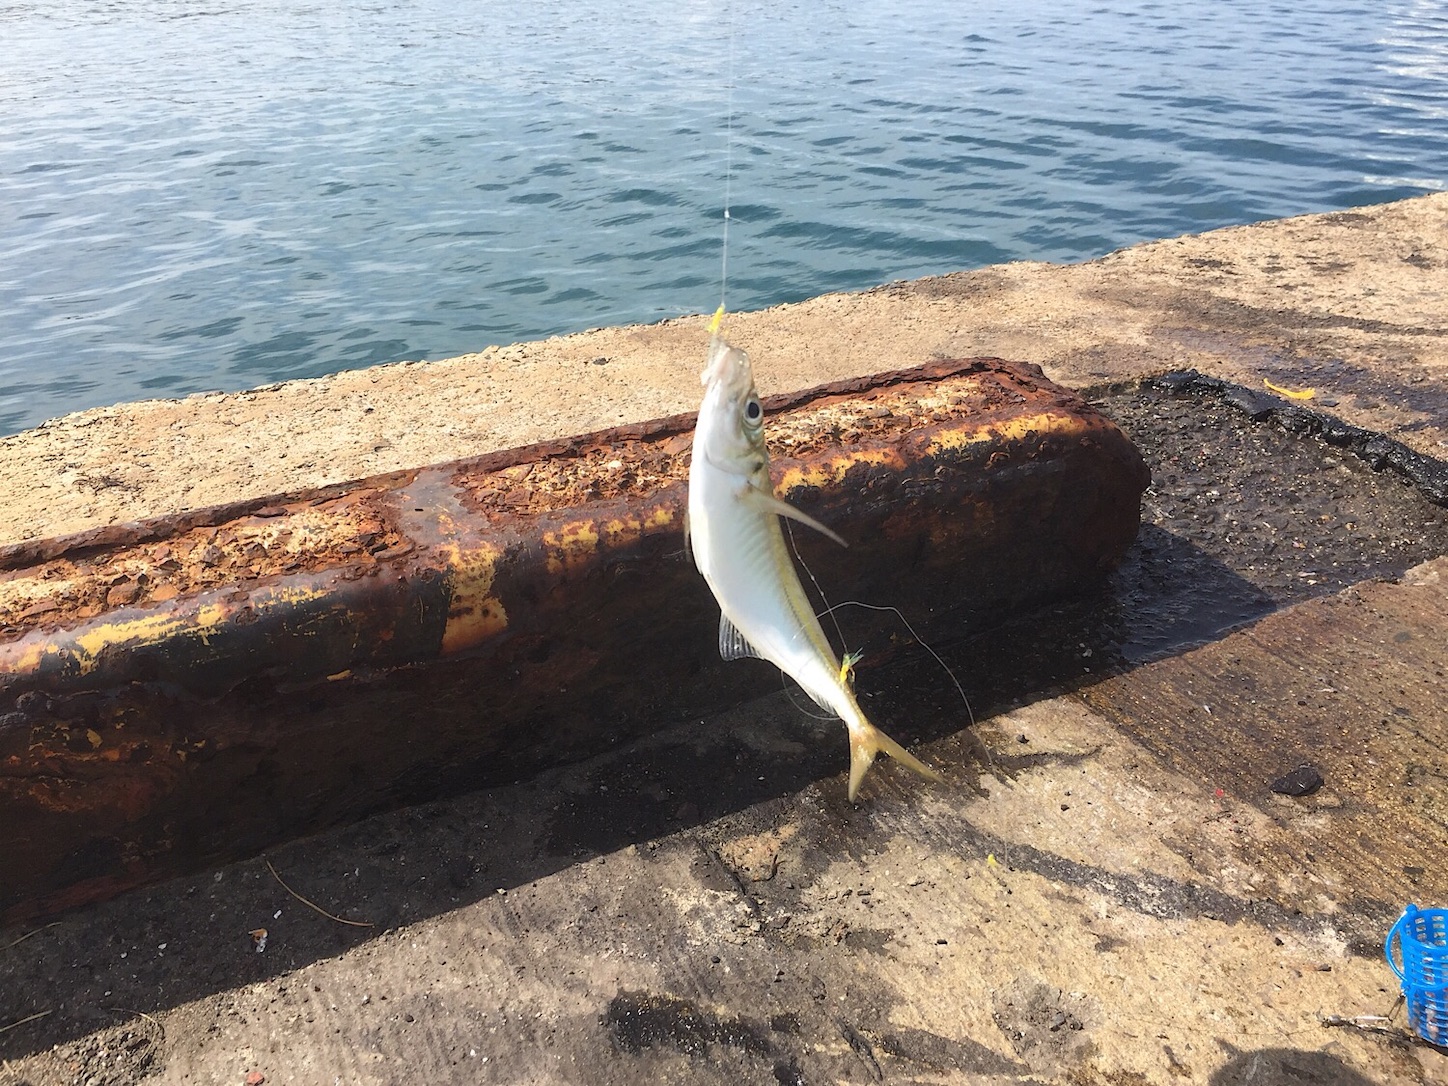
<point x="1106" y="890"/>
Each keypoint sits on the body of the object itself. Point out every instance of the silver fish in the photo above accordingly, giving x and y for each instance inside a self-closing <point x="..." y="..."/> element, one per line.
<point x="735" y="537"/>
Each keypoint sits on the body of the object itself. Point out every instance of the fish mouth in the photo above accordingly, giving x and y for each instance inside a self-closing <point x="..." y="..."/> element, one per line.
<point x="727" y="365"/>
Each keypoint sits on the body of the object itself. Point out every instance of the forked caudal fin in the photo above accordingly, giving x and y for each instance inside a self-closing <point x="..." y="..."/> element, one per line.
<point x="866" y="741"/>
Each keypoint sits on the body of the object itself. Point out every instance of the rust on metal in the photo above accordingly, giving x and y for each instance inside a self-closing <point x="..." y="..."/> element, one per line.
<point x="187" y="690"/>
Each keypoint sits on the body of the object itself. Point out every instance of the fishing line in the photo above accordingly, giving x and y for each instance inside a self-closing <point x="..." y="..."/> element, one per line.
<point x="718" y="318"/>
<point x="830" y="610"/>
<point x="919" y="641"/>
<point x="729" y="171"/>
<point x="728" y="166"/>
<point x="789" y="530"/>
<point x="807" y="707"/>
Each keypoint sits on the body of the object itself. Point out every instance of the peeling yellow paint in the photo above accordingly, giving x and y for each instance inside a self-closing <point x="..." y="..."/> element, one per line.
<point x="572" y="546"/>
<point x="22" y="658"/>
<point x="474" y="614"/>
<point x="1016" y="429"/>
<point x="210" y="617"/>
<point x="624" y="531"/>
<point x="620" y="526"/>
<point x="88" y="645"/>
<point x="147" y="630"/>
<point x="297" y="593"/>
<point x="832" y="471"/>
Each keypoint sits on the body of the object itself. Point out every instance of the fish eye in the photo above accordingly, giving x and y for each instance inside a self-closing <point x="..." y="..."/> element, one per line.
<point x="753" y="412"/>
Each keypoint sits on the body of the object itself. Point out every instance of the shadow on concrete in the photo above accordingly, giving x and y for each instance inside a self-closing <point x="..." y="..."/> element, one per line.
<point x="181" y="940"/>
<point x="1194" y="574"/>
<point x="1270" y="1066"/>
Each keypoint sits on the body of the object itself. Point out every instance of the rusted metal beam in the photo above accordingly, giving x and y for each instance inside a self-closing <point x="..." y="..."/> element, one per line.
<point x="197" y="688"/>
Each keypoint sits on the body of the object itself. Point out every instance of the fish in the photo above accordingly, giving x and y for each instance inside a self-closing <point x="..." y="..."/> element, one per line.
<point x="733" y="531"/>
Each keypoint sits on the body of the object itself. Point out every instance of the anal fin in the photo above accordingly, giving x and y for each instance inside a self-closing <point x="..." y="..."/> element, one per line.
<point x="733" y="645"/>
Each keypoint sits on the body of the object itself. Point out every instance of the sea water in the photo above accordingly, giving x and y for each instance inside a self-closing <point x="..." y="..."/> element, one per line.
<point x="200" y="194"/>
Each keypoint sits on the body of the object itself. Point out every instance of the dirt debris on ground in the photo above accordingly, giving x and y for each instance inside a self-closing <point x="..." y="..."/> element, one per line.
<point x="1108" y="890"/>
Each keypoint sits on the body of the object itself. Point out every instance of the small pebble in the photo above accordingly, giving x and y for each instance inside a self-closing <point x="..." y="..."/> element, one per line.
<point x="1302" y="781"/>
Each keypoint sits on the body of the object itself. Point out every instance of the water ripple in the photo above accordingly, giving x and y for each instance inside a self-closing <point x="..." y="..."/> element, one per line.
<point x="211" y="197"/>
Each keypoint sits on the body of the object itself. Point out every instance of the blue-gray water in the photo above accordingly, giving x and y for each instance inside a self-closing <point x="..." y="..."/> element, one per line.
<point x="201" y="194"/>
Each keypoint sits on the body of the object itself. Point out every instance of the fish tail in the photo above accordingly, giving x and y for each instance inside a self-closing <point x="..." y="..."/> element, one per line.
<point x="866" y="741"/>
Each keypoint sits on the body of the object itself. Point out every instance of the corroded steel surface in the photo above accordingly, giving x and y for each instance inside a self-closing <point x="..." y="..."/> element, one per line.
<point x="184" y="690"/>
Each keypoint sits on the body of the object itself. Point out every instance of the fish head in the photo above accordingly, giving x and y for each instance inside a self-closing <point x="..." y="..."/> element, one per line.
<point x="731" y="419"/>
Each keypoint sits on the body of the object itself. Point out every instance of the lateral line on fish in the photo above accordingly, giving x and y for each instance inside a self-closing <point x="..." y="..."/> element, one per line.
<point x="848" y="659"/>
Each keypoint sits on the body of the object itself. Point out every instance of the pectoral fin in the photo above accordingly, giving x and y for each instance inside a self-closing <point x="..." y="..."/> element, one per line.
<point x="771" y="504"/>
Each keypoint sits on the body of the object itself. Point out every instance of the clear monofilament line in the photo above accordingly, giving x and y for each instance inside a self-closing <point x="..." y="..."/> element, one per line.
<point x="728" y="161"/>
<point x="918" y="640"/>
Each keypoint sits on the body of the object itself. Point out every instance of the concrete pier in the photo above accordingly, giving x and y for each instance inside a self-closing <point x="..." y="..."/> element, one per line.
<point x="1116" y="885"/>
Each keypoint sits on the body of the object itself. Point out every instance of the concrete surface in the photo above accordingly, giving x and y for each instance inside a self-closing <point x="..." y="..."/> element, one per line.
<point x="1106" y="890"/>
<point x="1352" y="303"/>
<point x="1122" y="902"/>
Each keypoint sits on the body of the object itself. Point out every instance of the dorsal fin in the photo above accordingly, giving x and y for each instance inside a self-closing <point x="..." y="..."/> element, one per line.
<point x="733" y="645"/>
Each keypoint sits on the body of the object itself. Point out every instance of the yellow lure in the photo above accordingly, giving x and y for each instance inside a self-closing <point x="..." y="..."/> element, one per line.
<point x="1291" y="394"/>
